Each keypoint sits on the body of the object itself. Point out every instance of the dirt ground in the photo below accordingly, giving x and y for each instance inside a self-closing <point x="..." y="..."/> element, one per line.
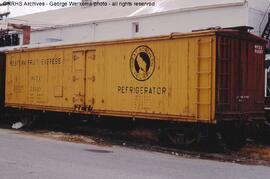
<point x="256" y="152"/>
<point x="251" y="153"/>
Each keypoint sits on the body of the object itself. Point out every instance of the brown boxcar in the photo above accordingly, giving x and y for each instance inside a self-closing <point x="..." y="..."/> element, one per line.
<point x="240" y="76"/>
<point x="203" y="76"/>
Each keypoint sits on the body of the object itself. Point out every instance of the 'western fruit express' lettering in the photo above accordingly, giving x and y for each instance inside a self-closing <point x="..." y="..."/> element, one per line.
<point x="48" y="61"/>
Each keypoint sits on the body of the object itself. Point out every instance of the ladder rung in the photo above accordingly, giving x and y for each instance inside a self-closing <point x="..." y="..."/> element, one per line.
<point x="203" y="88"/>
<point x="206" y="41"/>
<point x="205" y="57"/>
<point x="203" y="104"/>
<point x="204" y="72"/>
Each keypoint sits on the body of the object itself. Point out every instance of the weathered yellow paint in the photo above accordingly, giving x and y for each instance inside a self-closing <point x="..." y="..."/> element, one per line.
<point x="98" y="78"/>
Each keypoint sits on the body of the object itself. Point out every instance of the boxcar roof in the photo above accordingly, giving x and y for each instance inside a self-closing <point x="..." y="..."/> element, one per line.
<point x="54" y="45"/>
<point x="228" y="32"/>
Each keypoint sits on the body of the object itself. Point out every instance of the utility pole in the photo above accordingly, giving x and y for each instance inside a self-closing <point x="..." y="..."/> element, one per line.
<point x="9" y="32"/>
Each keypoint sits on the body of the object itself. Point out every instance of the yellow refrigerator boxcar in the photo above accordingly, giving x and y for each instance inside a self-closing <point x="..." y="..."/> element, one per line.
<point x="168" y="78"/>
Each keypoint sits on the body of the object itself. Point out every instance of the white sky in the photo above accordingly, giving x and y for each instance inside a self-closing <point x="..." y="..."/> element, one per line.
<point x="22" y="10"/>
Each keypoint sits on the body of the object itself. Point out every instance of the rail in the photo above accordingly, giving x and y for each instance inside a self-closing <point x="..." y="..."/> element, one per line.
<point x="265" y="15"/>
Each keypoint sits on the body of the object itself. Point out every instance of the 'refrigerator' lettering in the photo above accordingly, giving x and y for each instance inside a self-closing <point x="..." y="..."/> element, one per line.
<point x="142" y="90"/>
